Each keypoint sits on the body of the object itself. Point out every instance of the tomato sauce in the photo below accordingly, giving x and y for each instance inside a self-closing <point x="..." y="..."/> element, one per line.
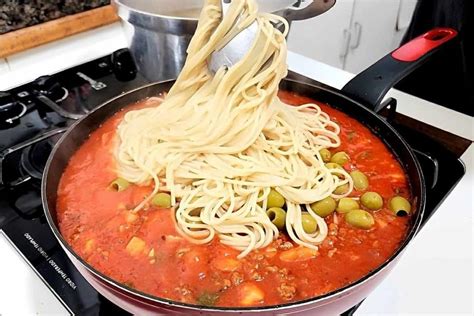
<point x="144" y="251"/>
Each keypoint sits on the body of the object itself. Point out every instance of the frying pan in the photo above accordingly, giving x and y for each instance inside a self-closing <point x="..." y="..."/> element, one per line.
<point x="361" y="98"/>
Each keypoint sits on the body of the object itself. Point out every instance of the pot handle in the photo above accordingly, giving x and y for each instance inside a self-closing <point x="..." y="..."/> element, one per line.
<point x="370" y="86"/>
<point x="301" y="11"/>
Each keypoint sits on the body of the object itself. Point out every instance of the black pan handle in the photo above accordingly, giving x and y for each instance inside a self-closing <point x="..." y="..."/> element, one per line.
<point x="431" y="171"/>
<point x="371" y="85"/>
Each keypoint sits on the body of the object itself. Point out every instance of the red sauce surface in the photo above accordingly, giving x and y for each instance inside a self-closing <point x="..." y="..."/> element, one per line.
<point x="97" y="224"/>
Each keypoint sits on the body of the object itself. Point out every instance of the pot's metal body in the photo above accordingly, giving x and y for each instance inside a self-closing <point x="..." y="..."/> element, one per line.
<point x="158" y="35"/>
<point x="141" y="303"/>
<point x="157" y="41"/>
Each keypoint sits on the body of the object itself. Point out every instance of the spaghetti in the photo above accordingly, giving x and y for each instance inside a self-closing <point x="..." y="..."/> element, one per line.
<point x="219" y="142"/>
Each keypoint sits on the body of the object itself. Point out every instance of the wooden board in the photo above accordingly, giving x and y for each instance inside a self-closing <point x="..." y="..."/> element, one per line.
<point x="33" y="36"/>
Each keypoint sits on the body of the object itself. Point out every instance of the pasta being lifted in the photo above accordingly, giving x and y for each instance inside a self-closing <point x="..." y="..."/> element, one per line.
<point x="219" y="143"/>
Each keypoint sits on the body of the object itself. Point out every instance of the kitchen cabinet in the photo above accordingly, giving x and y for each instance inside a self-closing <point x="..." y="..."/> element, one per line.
<point x="324" y="38"/>
<point x="354" y="33"/>
<point x="376" y="30"/>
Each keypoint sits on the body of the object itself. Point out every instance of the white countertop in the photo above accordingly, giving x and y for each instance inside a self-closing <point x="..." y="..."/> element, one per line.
<point x="435" y="273"/>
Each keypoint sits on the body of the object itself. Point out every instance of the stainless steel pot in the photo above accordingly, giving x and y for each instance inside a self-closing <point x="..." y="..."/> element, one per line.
<point x="159" y="31"/>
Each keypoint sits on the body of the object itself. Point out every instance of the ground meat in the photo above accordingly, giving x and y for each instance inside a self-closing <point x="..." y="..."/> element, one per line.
<point x="283" y="273"/>
<point x="236" y="278"/>
<point x="332" y="229"/>
<point x="286" y="291"/>
<point x="226" y="283"/>
<point x="256" y="276"/>
<point x="272" y="269"/>
<point x="184" y="293"/>
<point x="286" y="245"/>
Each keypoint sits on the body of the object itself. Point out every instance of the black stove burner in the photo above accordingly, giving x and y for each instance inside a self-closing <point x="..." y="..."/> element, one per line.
<point x="33" y="158"/>
<point x="34" y="116"/>
<point x="10" y="111"/>
<point x="48" y="86"/>
<point x="25" y="161"/>
<point x="28" y="204"/>
<point x="32" y="119"/>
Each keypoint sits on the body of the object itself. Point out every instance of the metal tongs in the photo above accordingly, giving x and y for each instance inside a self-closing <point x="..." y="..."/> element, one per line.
<point x="237" y="47"/>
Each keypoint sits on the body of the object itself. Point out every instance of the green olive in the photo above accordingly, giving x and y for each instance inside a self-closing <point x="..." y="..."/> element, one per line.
<point x="342" y="189"/>
<point x="324" y="207"/>
<point x="341" y="158"/>
<point x="278" y="216"/>
<point x="275" y="199"/>
<point x="309" y="223"/>
<point x="162" y="200"/>
<point x="119" y="184"/>
<point x="347" y="204"/>
<point x="332" y="165"/>
<point x="399" y="206"/>
<point x="360" y="219"/>
<point x="361" y="182"/>
<point x="325" y="154"/>
<point x="371" y="200"/>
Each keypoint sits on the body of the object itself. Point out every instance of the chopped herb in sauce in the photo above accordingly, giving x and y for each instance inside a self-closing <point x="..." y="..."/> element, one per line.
<point x="207" y="299"/>
<point x="351" y="135"/>
<point x="364" y="155"/>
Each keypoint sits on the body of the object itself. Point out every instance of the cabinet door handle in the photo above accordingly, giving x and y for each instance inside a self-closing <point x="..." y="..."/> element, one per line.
<point x="346" y="39"/>
<point x="356" y="38"/>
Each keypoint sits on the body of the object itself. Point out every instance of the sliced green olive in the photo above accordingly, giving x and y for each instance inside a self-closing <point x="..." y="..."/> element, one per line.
<point x="346" y="205"/>
<point x="341" y="158"/>
<point x="162" y="200"/>
<point x="278" y="216"/>
<point x="399" y="206"/>
<point x="119" y="184"/>
<point x="342" y="189"/>
<point x="275" y="199"/>
<point x="360" y="219"/>
<point x="324" y="207"/>
<point x="371" y="200"/>
<point x="361" y="182"/>
<point x="309" y="223"/>
<point x="325" y="154"/>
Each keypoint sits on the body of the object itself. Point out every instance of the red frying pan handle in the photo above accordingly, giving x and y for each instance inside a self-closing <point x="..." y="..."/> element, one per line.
<point x="416" y="48"/>
<point x="371" y="85"/>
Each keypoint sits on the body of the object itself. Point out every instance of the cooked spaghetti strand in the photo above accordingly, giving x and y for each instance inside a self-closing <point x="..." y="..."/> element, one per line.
<point x="219" y="142"/>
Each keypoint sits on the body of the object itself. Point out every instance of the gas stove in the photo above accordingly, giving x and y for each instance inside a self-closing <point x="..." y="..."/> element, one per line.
<point x="34" y="116"/>
<point x="32" y="119"/>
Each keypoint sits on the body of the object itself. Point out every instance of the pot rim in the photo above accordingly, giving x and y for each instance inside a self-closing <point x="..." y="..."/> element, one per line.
<point x="119" y="4"/>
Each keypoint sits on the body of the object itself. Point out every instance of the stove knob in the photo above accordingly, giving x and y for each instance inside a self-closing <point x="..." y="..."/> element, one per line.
<point x="49" y="87"/>
<point x="123" y="65"/>
<point x="10" y="110"/>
